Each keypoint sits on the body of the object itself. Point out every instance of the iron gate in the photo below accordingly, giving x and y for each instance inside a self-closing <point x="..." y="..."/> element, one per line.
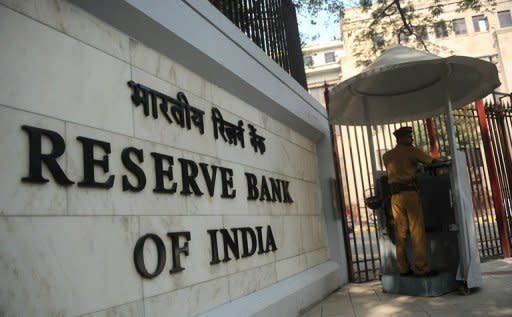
<point x="357" y="183"/>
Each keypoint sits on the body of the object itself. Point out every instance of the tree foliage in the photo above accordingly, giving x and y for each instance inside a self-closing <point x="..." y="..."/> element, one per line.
<point x="391" y="21"/>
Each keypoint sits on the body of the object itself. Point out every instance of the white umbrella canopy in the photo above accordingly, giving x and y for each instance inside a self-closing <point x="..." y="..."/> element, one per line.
<point x="404" y="84"/>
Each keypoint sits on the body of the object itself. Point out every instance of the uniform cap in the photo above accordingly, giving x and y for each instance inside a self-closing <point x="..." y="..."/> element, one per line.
<point x="403" y="131"/>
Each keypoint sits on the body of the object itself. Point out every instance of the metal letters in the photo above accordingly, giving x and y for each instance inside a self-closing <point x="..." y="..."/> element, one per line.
<point x="37" y="158"/>
<point x="257" y="141"/>
<point x="180" y="112"/>
<point x="96" y="154"/>
<point x="185" y="115"/>
<point x="138" y="255"/>
<point x="251" y="241"/>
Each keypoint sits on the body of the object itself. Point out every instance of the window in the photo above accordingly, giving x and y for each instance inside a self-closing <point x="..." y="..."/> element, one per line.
<point x="505" y="19"/>
<point x="329" y="57"/>
<point x="403" y="38"/>
<point x="378" y="41"/>
<point x="441" y="30"/>
<point x="421" y="32"/>
<point x="308" y="60"/>
<point x="480" y="23"/>
<point x="459" y="26"/>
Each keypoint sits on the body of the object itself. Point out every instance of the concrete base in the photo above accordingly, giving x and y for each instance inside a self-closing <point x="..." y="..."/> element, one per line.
<point x="419" y="286"/>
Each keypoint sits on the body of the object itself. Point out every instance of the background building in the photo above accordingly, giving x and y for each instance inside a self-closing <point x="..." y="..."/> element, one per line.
<point x="322" y="62"/>
<point x="486" y="34"/>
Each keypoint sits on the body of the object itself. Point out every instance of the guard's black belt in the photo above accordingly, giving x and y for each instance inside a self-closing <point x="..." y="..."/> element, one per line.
<point x="396" y="188"/>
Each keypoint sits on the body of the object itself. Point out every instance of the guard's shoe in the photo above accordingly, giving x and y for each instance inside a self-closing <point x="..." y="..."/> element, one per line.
<point x="430" y="273"/>
<point x="408" y="273"/>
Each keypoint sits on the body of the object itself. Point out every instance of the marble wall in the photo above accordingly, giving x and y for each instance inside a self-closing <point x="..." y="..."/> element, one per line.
<point x="68" y="251"/>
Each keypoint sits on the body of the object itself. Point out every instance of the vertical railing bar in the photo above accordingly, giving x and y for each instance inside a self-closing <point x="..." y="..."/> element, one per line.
<point x="503" y="162"/>
<point x="244" y="18"/>
<point x="489" y="200"/>
<point x="475" y="180"/>
<point x="285" y="41"/>
<point x="491" y="166"/>
<point x="247" y="23"/>
<point x="414" y="133"/>
<point x="375" y="225"/>
<point x="270" y="27"/>
<point x="231" y="10"/>
<point x="498" y="156"/>
<point x="507" y="106"/>
<point x="254" y="18"/>
<point x="355" y="188"/>
<point x="264" y="27"/>
<point x="276" y="34"/>
<point x="391" y="138"/>
<point x="417" y="132"/>
<point x="416" y="129"/>
<point x="359" y="202"/>
<point x="439" y="133"/>
<point x="489" y="206"/>
<point x="379" y="149"/>
<point x="344" y="189"/>
<point x="478" y="181"/>
<point x="239" y="13"/>
<point x="382" y="145"/>
<point x="264" y="19"/>
<point x="370" y="182"/>
<point x="257" y="14"/>
<point x="493" y="225"/>
<point x="225" y="9"/>
<point x="442" y="124"/>
<point x="506" y="151"/>
<point x="286" y="57"/>
<point x="277" y="28"/>
<point x="425" y="133"/>
<point x="280" y="34"/>
<point x="250" y="20"/>
<point x="491" y="122"/>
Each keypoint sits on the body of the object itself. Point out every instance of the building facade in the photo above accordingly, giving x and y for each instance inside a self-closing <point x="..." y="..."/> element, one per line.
<point x="486" y="34"/>
<point x="143" y="173"/>
<point x="322" y="62"/>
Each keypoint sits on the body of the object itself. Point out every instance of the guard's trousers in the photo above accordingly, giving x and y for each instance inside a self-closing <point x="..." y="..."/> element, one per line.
<point x="408" y="214"/>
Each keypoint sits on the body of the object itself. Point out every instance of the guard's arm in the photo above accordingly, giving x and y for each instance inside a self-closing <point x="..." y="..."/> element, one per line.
<point x="423" y="157"/>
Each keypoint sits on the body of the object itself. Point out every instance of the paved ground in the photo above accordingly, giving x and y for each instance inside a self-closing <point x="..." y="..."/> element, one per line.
<point x="494" y="298"/>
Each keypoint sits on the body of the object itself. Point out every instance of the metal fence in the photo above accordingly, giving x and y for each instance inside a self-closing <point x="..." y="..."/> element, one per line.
<point x="272" y="25"/>
<point x="499" y="115"/>
<point x="357" y="183"/>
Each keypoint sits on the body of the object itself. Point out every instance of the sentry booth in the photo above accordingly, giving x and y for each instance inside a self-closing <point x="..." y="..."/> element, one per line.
<point x="404" y="84"/>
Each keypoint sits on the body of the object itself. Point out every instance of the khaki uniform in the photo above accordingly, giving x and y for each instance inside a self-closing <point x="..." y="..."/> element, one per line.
<point x="401" y="163"/>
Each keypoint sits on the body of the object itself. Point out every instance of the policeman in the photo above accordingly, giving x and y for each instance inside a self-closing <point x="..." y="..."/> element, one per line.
<point x="401" y="164"/>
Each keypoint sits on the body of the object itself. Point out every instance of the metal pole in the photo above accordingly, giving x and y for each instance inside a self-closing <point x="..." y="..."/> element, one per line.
<point x="370" y="139"/>
<point x="432" y="139"/>
<point x="450" y="127"/>
<point x="493" y="175"/>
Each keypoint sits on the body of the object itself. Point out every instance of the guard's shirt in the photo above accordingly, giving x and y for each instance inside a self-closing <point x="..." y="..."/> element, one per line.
<point x="402" y="161"/>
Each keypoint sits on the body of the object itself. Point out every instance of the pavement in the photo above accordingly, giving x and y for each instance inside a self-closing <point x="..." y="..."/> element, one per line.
<point x="494" y="298"/>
